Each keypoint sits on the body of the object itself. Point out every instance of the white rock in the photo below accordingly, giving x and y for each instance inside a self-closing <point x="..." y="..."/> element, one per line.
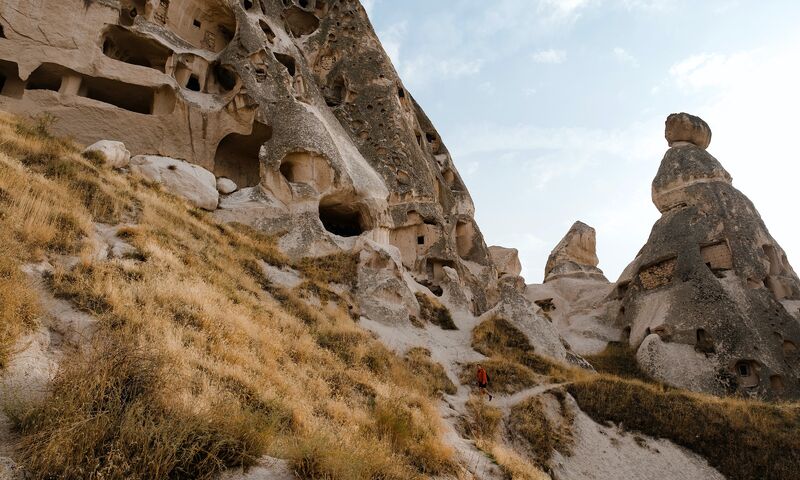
<point x="115" y="152"/>
<point x="226" y="185"/>
<point x="194" y="183"/>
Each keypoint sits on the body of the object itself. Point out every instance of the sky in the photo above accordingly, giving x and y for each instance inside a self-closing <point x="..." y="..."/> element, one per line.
<point x="553" y="110"/>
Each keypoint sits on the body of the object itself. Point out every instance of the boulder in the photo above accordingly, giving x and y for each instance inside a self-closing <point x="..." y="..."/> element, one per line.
<point x="114" y="152"/>
<point x="575" y="255"/>
<point x="226" y="186"/>
<point x="682" y="127"/>
<point x="194" y="183"/>
<point x="506" y="260"/>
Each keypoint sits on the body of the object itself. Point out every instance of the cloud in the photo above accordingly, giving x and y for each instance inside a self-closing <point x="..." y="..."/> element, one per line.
<point x="713" y="70"/>
<point x="624" y="57"/>
<point x="562" y="11"/>
<point x="421" y="69"/>
<point x="549" y="56"/>
<point x="392" y="39"/>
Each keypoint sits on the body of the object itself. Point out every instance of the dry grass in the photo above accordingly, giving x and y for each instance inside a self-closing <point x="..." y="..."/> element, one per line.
<point x="429" y="372"/>
<point x="514" y="465"/>
<point x="431" y="310"/>
<point x="543" y="433"/>
<point x="742" y="439"/>
<point x="200" y="363"/>
<point x="18" y="307"/>
<point x="497" y="337"/>
<point x="482" y="421"/>
<point x="505" y="377"/>
<point x="618" y="359"/>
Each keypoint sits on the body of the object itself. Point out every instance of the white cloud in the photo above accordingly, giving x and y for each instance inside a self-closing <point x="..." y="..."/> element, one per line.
<point x="392" y="40"/>
<point x="423" y="68"/>
<point x="713" y="70"/>
<point x="549" y="56"/>
<point x="625" y="57"/>
<point x="562" y="11"/>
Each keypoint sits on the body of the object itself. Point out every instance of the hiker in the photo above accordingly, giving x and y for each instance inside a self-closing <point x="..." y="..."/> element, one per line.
<point x="483" y="381"/>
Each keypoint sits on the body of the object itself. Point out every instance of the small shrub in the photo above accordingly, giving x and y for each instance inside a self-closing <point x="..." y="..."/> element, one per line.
<point x="430" y="374"/>
<point x="482" y="420"/>
<point x="431" y="310"/>
<point x="542" y="434"/>
<point x="618" y="359"/>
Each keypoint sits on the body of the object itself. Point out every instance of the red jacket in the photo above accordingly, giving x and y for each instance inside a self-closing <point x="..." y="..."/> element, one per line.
<point x="482" y="377"/>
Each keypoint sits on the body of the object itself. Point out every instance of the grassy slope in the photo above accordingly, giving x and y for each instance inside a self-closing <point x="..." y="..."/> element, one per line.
<point x="199" y="364"/>
<point x="743" y="439"/>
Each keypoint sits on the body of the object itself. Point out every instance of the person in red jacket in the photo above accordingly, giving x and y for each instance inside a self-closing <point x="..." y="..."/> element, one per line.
<point x="483" y="381"/>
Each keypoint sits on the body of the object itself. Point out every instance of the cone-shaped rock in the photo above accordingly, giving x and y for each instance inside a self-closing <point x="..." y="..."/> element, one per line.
<point x="575" y="255"/>
<point x="710" y="301"/>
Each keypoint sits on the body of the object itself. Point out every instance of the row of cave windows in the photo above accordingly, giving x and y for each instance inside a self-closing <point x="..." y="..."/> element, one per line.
<point x="205" y="26"/>
<point x="717" y="257"/>
<point x="746" y="370"/>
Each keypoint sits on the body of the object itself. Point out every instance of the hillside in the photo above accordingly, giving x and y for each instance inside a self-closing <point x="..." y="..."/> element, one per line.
<point x="233" y="246"/>
<point x="177" y="356"/>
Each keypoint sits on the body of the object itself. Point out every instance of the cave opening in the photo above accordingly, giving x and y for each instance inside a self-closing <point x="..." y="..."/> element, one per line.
<point x="10" y="83"/>
<point x="237" y="156"/>
<point x="300" y="22"/>
<point x="126" y="46"/>
<point x="287" y="61"/>
<point x="193" y="83"/>
<point x="46" y="77"/>
<point x="342" y="219"/>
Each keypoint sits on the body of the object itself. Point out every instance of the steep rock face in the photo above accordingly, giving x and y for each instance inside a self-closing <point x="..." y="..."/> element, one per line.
<point x="294" y="101"/>
<point x="575" y="255"/>
<point x="710" y="287"/>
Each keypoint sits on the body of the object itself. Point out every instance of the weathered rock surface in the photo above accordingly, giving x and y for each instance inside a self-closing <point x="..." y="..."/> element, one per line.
<point x="710" y="279"/>
<point x="575" y="255"/>
<point x="226" y="186"/>
<point x="195" y="184"/>
<point x="682" y="127"/>
<point x="506" y="260"/>
<point x="115" y="153"/>
<point x="294" y="98"/>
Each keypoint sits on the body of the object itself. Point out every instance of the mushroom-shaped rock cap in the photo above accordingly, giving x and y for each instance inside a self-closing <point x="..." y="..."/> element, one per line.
<point x="682" y="127"/>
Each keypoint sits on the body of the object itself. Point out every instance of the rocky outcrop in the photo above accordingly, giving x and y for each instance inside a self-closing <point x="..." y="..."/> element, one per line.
<point x="682" y="127"/>
<point x="506" y="260"/>
<point x="708" y="299"/>
<point x="195" y="184"/>
<point x="296" y="99"/>
<point x="575" y="255"/>
<point x="114" y="153"/>
<point x="226" y="186"/>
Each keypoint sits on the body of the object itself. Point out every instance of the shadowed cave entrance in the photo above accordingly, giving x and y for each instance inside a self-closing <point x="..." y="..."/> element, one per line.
<point x="342" y="219"/>
<point x="237" y="156"/>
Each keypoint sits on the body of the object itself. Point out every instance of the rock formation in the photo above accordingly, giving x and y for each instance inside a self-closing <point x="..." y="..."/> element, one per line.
<point x="573" y="295"/>
<point x="506" y="260"/>
<point x="295" y="102"/>
<point x="710" y="301"/>
<point x="575" y="255"/>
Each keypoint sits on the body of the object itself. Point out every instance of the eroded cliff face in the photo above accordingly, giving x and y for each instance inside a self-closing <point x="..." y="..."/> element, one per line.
<point x="294" y="101"/>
